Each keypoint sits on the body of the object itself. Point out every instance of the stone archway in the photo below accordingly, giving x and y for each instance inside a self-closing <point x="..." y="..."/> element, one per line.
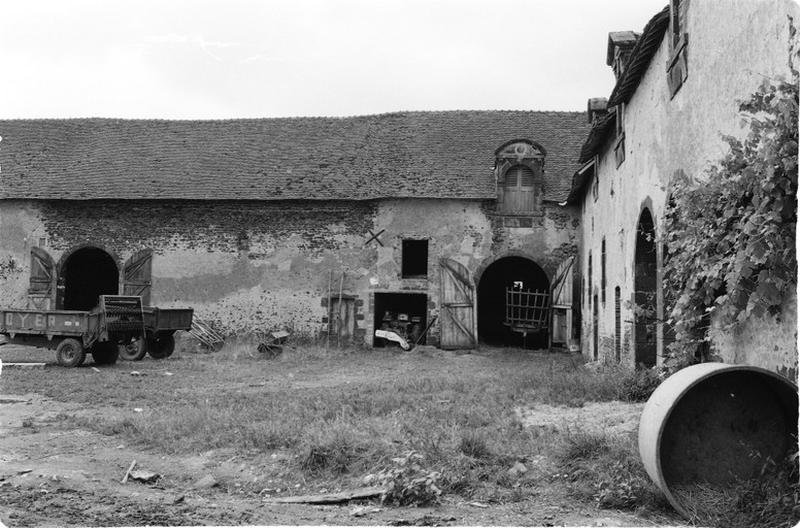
<point x="507" y="272"/>
<point x="645" y="291"/>
<point x="84" y="275"/>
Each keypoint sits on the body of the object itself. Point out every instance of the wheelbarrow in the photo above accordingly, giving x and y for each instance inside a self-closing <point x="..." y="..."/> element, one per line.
<point x="274" y="346"/>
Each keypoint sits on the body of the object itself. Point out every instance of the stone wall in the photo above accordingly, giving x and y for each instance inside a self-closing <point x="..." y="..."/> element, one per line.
<point x="266" y="265"/>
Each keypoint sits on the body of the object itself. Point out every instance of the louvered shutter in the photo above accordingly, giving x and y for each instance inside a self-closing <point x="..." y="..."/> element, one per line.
<point x="519" y="190"/>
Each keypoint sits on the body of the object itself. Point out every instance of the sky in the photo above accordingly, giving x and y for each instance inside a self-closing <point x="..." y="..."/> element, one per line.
<point x="215" y="59"/>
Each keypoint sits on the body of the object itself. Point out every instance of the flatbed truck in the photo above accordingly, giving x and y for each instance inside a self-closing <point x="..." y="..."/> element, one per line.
<point x="118" y="326"/>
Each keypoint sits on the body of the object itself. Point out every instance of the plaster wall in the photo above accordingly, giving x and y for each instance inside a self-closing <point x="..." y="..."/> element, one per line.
<point x="255" y="266"/>
<point x="732" y="46"/>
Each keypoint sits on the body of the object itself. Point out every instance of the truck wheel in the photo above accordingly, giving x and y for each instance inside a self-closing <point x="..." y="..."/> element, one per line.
<point x="133" y="350"/>
<point x="105" y="353"/>
<point x="70" y="352"/>
<point x="161" y="346"/>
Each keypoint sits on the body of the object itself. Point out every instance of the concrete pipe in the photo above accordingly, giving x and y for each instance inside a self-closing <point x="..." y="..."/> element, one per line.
<point x="714" y="423"/>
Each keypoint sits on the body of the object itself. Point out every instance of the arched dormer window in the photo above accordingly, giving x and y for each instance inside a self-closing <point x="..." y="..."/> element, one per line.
<point x="519" y="165"/>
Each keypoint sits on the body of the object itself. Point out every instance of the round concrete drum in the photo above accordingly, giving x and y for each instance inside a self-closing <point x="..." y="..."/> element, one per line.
<point x="713" y="424"/>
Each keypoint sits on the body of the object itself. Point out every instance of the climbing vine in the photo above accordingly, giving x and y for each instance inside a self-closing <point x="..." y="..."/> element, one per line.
<point x="731" y="231"/>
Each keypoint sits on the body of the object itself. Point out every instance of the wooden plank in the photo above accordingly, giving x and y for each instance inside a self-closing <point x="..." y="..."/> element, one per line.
<point x="332" y="498"/>
<point x="458" y="323"/>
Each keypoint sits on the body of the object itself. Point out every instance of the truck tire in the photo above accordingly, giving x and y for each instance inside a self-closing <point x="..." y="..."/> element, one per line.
<point x="105" y="353"/>
<point x="70" y="352"/>
<point x="161" y="346"/>
<point x="134" y="350"/>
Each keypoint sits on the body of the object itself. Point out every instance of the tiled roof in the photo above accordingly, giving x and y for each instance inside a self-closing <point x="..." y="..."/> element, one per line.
<point x="642" y="53"/>
<point x="638" y="62"/>
<point x="598" y="135"/>
<point x="405" y="154"/>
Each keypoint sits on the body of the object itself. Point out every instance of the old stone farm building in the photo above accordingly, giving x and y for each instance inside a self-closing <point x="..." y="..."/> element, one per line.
<point x="259" y="224"/>
<point x="405" y="219"/>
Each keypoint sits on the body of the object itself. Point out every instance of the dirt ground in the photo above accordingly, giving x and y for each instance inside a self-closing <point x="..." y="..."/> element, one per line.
<point x="57" y="475"/>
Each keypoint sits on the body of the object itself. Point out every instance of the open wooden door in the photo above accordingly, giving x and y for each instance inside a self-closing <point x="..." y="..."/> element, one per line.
<point x="561" y="296"/>
<point x="42" y="281"/>
<point x="137" y="275"/>
<point x="457" y="299"/>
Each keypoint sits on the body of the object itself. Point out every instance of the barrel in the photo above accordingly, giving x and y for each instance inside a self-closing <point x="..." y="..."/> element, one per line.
<point x="714" y="423"/>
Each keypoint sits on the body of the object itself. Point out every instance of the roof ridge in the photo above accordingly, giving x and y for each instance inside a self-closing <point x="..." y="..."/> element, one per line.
<point x="288" y="118"/>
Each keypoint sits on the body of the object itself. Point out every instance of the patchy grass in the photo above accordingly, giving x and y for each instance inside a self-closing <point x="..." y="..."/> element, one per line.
<point x="338" y="415"/>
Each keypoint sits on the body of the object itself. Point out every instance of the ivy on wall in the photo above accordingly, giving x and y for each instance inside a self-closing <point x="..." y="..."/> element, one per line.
<point x="731" y="232"/>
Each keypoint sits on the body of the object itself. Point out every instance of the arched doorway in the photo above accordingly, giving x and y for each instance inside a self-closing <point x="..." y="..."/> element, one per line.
<point x="508" y="273"/>
<point x="86" y="274"/>
<point x="645" y="282"/>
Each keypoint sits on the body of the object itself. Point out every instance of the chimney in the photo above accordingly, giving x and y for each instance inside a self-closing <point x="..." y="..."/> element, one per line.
<point x="620" y="46"/>
<point x="596" y="107"/>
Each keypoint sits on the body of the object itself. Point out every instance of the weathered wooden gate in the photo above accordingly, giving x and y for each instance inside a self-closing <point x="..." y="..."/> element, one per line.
<point x="457" y="301"/>
<point x="137" y="275"/>
<point x="40" y="292"/>
<point x="561" y="295"/>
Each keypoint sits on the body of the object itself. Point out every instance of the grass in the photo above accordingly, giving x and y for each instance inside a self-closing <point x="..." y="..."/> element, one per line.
<point x="340" y="415"/>
<point x="607" y="471"/>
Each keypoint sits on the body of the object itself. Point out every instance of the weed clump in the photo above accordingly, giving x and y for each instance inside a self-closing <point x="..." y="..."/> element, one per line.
<point x="474" y="445"/>
<point x="408" y="483"/>
<point x="338" y="449"/>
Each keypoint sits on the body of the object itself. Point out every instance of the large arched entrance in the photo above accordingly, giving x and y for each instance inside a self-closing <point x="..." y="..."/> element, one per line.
<point x="645" y="282"/>
<point x="516" y="273"/>
<point x="86" y="274"/>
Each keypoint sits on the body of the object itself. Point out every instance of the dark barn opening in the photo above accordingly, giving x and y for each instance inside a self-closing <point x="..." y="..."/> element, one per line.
<point x="516" y="273"/>
<point x="88" y="273"/>
<point x="401" y="313"/>
<point x="415" y="259"/>
<point x="645" y="282"/>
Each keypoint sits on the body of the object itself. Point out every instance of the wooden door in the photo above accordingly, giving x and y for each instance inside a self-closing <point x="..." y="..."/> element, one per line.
<point x="42" y="280"/>
<point x="561" y="295"/>
<point x="137" y="275"/>
<point x="343" y="319"/>
<point x="457" y="302"/>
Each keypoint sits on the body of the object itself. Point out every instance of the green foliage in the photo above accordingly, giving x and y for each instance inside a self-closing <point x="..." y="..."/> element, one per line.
<point x="731" y="231"/>
<point x="408" y="483"/>
<point x="638" y="385"/>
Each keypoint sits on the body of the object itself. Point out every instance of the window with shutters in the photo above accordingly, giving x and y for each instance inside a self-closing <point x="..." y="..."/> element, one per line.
<point x="519" y="169"/>
<point x="619" y="142"/>
<point x="677" y="70"/>
<point x="518" y="190"/>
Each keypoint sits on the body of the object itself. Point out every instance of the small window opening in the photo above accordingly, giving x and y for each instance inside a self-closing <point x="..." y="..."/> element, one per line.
<point x="603" y="272"/>
<point x="617" y="323"/>
<point x="589" y="281"/>
<point x="415" y="259"/>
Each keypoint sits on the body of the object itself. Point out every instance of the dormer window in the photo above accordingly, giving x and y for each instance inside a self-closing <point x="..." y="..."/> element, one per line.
<point x="518" y="168"/>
